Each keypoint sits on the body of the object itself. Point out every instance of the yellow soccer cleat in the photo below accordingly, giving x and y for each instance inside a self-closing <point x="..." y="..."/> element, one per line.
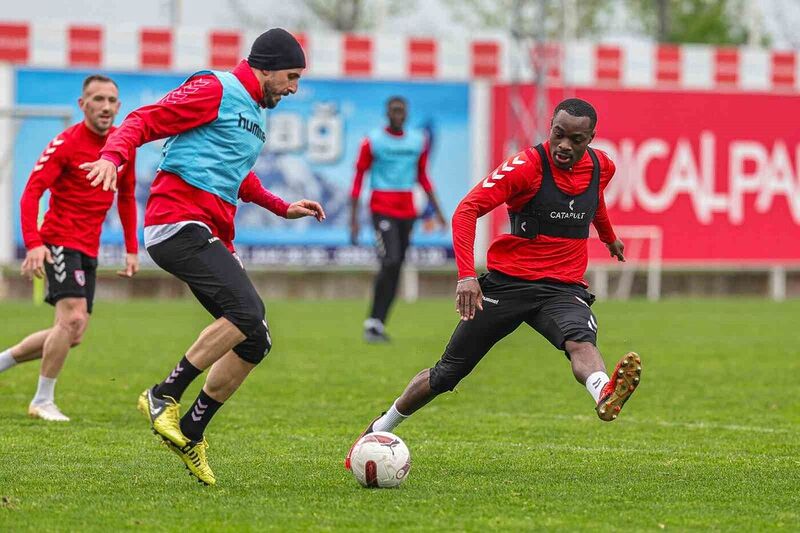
<point x="193" y="454"/>
<point x="164" y="415"/>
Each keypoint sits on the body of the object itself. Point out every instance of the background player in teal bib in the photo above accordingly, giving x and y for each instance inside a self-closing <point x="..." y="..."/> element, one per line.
<point x="397" y="160"/>
<point x="215" y="124"/>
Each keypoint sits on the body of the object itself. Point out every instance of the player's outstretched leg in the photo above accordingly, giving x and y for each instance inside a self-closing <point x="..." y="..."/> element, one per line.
<point x="417" y="394"/>
<point x="28" y="349"/>
<point x="623" y="382"/>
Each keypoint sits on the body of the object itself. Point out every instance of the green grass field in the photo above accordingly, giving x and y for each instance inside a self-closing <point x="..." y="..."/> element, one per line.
<point x="708" y="442"/>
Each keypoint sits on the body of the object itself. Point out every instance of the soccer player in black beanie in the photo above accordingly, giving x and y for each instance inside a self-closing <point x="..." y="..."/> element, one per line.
<point x="216" y="128"/>
<point x="275" y="57"/>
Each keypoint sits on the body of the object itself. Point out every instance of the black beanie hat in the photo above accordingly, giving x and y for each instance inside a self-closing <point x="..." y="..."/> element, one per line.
<point x="276" y="49"/>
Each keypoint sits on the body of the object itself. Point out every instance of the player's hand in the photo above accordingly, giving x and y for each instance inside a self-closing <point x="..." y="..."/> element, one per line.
<point x="616" y="249"/>
<point x="469" y="298"/>
<point x="131" y="266"/>
<point x="354" y="231"/>
<point x="441" y="221"/>
<point x="305" y="208"/>
<point x="33" y="265"/>
<point x="101" y="171"/>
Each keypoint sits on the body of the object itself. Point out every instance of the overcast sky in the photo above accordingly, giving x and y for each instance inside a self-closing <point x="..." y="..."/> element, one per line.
<point x="781" y="18"/>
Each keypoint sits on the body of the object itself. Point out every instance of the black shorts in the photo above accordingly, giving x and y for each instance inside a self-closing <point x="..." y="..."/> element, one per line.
<point x="558" y="311"/>
<point x="220" y="283"/>
<point x="73" y="274"/>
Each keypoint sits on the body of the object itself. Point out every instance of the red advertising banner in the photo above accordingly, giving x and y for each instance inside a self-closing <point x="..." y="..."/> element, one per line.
<point x="718" y="173"/>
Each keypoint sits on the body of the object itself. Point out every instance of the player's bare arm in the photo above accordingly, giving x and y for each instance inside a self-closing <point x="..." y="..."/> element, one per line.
<point x="33" y="265"/>
<point x="305" y="208"/>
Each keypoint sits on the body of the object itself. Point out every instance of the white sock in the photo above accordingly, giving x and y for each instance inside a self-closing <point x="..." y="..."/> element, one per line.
<point x="595" y="383"/>
<point x="46" y="390"/>
<point x="6" y="361"/>
<point x="390" y="420"/>
<point x="373" y="323"/>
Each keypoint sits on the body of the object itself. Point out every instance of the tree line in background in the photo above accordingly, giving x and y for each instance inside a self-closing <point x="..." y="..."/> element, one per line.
<point x="716" y="22"/>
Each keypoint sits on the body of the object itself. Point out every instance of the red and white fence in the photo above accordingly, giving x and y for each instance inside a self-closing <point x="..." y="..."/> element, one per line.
<point x="397" y="57"/>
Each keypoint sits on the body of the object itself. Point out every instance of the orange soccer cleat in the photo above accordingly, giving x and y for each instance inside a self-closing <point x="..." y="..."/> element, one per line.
<point x="624" y="381"/>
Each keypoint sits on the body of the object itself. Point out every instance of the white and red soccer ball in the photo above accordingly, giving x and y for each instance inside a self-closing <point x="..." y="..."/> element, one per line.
<point x="380" y="460"/>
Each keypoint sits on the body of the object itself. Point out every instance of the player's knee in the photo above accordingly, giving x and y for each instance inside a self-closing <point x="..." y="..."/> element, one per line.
<point x="250" y="318"/>
<point x="74" y="321"/>
<point x="444" y="377"/>
<point x="255" y="347"/>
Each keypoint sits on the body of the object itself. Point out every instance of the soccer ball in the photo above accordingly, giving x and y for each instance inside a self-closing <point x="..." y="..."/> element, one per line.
<point x="380" y="459"/>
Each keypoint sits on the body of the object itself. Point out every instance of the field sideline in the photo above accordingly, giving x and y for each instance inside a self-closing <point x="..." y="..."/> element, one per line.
<point x="709" y="441"/>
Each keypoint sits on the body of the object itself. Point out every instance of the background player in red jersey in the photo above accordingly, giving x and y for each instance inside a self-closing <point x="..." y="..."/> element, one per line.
<point x="553" y="192"/>
<point x="397" y="159"/>
<point x="65" y="248"/>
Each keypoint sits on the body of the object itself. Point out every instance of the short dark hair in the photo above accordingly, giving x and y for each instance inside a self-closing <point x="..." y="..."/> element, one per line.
<point x="97" y="77"/>
<point x="394" y="99"/>
<point x="578" y="108"/>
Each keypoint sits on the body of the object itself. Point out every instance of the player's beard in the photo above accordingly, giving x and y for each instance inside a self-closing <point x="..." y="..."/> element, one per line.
<point x="103" y="124"/>
<point x="269" y="101"/>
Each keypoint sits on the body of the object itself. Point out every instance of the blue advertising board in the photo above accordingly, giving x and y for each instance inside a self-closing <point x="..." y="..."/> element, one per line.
<point x="313" y="141"/>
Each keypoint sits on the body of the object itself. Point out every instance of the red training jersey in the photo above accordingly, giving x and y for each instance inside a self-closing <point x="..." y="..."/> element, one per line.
<point x="77" y="210"/>
<point x="396" y="204"/>
<point x="172" y="200"/>
<point x="544" y="257"/>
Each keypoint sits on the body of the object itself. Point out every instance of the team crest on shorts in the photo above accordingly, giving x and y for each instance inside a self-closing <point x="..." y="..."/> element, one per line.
<point x="80" y="278"/>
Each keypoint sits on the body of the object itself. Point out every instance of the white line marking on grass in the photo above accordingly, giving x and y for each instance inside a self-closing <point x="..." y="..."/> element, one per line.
<point x="691" y="425"/>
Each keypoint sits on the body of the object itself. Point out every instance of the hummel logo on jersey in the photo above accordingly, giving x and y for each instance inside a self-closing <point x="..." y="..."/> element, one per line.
<point x="182" y="92"/>
<point x="252" y="127"/>
<point x="508" y="166"/>
<point x="51" y="148"/>
<point x="571" y="203"/>
<point x="212" y="240"/>
<point x="491" y="300"/>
